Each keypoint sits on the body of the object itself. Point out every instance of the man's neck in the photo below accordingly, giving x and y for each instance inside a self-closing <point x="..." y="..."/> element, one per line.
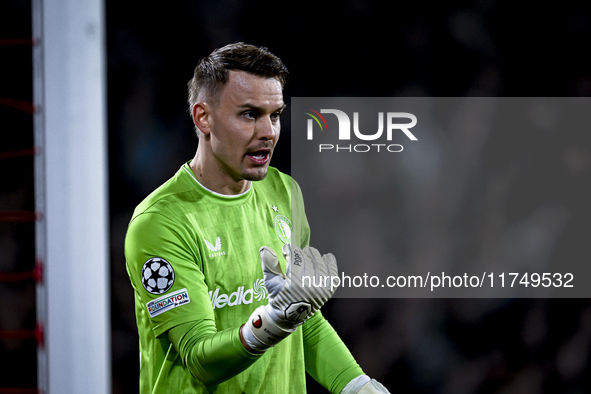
<point x="215" y="179"/>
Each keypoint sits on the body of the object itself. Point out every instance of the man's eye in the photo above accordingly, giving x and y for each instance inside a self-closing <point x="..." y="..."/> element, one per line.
<point x="250" y="114"/>
<point x="276" y="116"/>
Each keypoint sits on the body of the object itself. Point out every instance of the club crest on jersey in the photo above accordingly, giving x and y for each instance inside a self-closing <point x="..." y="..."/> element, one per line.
<point x="215" y="249"/>
<point x="157" y="275"/>
<point x="283" y="228"/>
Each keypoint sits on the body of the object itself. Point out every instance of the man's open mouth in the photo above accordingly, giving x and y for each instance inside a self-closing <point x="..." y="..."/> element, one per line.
<point x="259" y="157"/>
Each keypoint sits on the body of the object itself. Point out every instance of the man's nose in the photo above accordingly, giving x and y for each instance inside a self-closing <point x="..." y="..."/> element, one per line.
<point x="266" y="130"/>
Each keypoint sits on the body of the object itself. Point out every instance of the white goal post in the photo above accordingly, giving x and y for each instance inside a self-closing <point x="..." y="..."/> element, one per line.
<point x="69" y="66"/>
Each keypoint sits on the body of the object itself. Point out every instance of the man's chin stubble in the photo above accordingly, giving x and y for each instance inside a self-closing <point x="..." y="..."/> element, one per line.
<point x="255" y="177"/>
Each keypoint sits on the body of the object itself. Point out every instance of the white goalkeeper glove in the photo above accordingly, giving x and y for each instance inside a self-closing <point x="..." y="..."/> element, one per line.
<point x="364" y="385"/>
<point x="291" y="301"/>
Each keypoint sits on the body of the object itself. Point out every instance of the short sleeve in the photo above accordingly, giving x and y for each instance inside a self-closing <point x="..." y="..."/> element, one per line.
<point x="164" y="266"/>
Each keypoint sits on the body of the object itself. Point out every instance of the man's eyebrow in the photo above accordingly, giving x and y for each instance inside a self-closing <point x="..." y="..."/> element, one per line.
<point x="252" y="106"/>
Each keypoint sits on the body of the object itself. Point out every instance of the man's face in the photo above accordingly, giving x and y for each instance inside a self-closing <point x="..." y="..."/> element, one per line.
<point x="245" y="125"/>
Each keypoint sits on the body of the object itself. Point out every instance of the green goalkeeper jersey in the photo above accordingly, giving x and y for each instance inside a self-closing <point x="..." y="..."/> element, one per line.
<point x="193" y="254"/>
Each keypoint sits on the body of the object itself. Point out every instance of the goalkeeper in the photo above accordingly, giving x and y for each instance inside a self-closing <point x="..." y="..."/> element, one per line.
<point x="217" y="254"/>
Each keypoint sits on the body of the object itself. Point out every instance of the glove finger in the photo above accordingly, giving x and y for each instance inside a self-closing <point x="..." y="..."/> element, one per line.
<point x="326" y="265"/>
<point x="295" y="261"/>
<point x="311" y="267"/>
<point x="329" y="271"/>
<point x="269" y="262"/>
<point x="331" y="262"/>
<point x="323" y="266"/>
<point x="333" y="270"/>
<point x="286" y="250"/>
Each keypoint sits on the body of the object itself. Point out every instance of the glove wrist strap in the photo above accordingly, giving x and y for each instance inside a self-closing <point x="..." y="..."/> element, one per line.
<point x="355" y="385"/>
<point x="261" y="332"/>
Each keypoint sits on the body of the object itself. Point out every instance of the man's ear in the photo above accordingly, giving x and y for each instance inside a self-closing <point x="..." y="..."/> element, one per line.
<point x="202" y="117"/>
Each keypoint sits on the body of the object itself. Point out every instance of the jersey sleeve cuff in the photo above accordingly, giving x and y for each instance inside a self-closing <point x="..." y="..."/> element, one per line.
<point x="241" y="350"/>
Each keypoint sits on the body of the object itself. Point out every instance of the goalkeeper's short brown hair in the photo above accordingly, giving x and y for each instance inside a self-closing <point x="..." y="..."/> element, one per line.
<point x="211" y="74"/>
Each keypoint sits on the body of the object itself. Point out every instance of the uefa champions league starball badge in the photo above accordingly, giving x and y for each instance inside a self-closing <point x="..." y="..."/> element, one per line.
<point x="157" y="275"/>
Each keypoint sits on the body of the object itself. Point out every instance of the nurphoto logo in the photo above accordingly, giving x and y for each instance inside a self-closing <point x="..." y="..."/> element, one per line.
<point x="394" y="122"/>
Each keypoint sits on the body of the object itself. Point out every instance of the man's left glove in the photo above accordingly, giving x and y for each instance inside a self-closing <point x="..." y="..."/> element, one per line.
<point x="293" y="297"/>
<point x="364" y="385"/>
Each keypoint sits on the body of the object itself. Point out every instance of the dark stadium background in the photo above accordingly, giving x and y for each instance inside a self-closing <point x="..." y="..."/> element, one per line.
<point x="347" y="48"/>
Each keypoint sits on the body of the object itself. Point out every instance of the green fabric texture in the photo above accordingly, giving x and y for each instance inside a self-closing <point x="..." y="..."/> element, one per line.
<point x="211" y="356"/>
<point x="327" y="358"/>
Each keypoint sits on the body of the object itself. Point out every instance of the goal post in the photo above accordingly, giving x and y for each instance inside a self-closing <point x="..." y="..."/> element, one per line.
<point x="71" y="186"/>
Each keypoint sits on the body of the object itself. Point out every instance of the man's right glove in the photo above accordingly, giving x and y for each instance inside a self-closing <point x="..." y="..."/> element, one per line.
<point x="293" y="297"/>
<point x="364" y="385"/>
